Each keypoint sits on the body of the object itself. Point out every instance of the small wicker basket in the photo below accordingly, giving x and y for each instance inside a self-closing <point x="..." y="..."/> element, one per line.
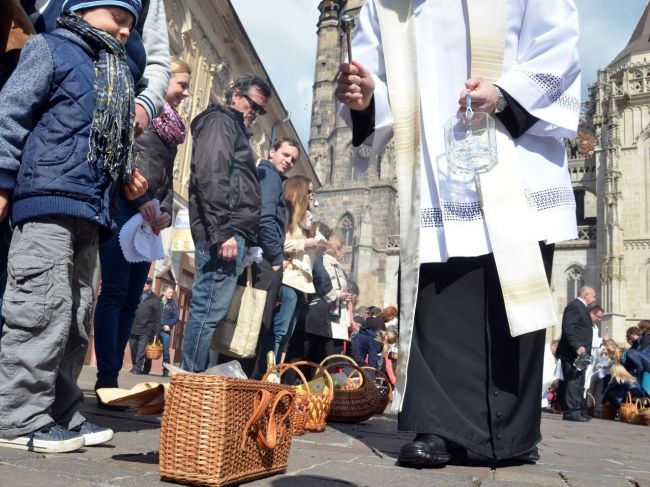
<point x="312" y="407"/>
<point x="154" y="349"/>
<point x="643" y="412"/>
<point x="627" y="409"/>
<point x="219" y="431"/>
<point x="356" y="401"/>
<point x="591" y="404"/>
<point x="607" y="411"/>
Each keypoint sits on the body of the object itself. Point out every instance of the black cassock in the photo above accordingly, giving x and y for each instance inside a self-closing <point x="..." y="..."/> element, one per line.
<point x="469" y="381"/>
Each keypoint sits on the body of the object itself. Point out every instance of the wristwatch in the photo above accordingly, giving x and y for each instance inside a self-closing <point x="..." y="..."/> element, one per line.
<point x="502" y="103"/>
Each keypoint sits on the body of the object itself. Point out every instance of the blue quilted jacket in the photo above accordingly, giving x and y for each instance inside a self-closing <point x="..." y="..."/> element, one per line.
<point x="53" y="175"/>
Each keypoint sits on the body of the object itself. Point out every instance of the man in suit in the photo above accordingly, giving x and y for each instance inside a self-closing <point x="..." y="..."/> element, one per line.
<point x="575" y="341"/>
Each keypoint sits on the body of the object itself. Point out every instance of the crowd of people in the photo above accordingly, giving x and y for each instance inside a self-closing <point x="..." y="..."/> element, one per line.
<point x="592" y="369"/>
<point x="88" y="136"/>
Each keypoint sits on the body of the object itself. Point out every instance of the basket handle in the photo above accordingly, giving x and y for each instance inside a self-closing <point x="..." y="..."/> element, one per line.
<point x="273" y="433"/>
<point x="318" y="367"/>
<point x="282" y="368"/>
<point x="338" y="355"/>
<point x="628" y="398"/>
<point x="261" y="403"/>
<point x="383" y="377"/>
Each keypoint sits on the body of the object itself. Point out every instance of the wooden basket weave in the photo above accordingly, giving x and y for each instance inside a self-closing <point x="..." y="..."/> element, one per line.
<point x="591" y="404"/>
<point x="607" y="411"/>
<point x="311" y="407"/>
<point x="627" y="409"/>
<point x="219" y="431"/>
<point x="352" y="404"/>
<point x="383" y="387"/>
<point x="642" y="415"/>
<point x="154" y="349"/>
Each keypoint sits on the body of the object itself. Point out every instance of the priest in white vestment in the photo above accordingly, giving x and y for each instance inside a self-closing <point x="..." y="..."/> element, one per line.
<point x="472" y="386"/>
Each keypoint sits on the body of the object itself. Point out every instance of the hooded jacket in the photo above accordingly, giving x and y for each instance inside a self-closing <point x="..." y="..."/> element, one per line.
<point x="224" y="191"/>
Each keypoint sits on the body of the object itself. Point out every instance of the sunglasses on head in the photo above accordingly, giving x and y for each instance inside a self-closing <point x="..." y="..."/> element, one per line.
<point x="256" y="107"/>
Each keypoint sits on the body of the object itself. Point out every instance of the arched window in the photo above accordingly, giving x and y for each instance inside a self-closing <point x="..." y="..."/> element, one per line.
<point x="574" y="281"/>
<point x="346" y="229"/>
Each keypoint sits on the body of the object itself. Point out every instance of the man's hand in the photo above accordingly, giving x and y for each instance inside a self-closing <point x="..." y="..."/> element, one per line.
<point x="5" y="198"/>
<point x="277" y="267"/>
<point x="148" y="211"/>
<point x="141" y="120"/>
<point x="166" y="328"/>
<point x="228" y="250"/>
<point x="581" y="351"/>
<point x="161" y="221"/>
<point x="355" y="86"/>
<point x="484" y="95"/>
<point x="136" y="187"/>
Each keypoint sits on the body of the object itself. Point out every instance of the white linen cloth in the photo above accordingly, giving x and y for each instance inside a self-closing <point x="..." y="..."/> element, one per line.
<point x="540" y="70"/>
<point x="138" y="241"/>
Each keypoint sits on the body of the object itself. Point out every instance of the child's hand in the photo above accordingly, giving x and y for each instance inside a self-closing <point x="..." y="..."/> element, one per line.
<point x="136" y="187"/>
<point x="5" y="198"/>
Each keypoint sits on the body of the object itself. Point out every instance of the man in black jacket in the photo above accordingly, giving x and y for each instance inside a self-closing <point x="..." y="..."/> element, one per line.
<point x="224" y="209"/>
<point x="146" y="325"/>
<point x="267" y="274"/>
<point x="575" y="341"/>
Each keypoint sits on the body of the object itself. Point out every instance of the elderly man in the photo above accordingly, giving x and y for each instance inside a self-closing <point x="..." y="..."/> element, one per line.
<point x="224" y="209"/>
<point x="576" y="341"/>
<point x="473" y="290"/>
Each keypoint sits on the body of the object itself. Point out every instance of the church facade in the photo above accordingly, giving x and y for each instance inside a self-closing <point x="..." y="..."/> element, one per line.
<point x="609" y="164"/>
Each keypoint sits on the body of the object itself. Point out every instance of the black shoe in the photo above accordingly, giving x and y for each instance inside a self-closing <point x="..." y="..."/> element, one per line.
<point x="531" y="457"/>
<point x="588" y="418"/>
<point x="424" y="451"/>
<point x="575" y="417"/>
<point x="135" y="371"/>
<point x="100" y="384"/>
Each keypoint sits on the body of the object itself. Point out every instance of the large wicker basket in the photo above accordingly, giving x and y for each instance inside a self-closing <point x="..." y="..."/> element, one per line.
<point x="312" y="407"/>
<point x="357" y="401"/>
<point x="220" y="431"/>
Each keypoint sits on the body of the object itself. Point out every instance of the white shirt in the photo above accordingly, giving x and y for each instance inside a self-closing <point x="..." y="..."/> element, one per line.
<point x="540" y="70"/>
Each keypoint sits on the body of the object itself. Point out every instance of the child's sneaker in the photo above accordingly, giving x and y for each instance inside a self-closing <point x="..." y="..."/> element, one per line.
<point x="51" y="438"/>
<point x="93" y="434"/>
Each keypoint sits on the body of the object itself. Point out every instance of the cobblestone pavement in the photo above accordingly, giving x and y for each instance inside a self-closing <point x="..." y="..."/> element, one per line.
<point x="598" y="453"/>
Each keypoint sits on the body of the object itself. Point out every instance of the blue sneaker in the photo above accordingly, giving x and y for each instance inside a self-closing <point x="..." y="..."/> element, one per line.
<point x="93" y="434"/>
<point x="51" y="438"/>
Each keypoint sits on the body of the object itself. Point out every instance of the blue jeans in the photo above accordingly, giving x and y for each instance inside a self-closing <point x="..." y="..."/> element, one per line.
<point x="214" y="285"/>
<point x="165" y="338"/>
<point x="365" y="344"/>
<point x="284" y="321"/>
<point x="121" y="290"/>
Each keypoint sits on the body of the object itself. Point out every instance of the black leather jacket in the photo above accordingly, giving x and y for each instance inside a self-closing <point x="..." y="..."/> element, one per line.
<point x="155" y="159"/>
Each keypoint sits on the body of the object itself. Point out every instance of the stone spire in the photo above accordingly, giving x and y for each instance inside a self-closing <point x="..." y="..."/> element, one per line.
<point x="639" y="41"/>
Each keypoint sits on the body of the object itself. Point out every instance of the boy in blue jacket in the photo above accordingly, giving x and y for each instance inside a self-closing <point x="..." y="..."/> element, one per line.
<point x="66" y="137"/>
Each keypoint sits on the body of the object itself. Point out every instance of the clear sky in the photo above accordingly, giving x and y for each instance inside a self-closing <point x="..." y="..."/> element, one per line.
<point x="284" y="35"/>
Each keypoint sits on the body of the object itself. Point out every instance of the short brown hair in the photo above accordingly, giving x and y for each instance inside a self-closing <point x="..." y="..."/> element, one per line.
<point x="289" y="140"/>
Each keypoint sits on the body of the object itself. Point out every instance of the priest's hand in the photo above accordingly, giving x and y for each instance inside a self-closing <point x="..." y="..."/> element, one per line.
<point x="355" y="86"/>
<point x="484" y="95"/>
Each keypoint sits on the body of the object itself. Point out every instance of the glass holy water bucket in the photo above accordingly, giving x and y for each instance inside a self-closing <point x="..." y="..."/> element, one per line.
<point x="470" y="142"/>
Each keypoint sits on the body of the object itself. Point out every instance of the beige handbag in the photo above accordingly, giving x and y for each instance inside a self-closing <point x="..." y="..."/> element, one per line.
<point x="238" y="334"/>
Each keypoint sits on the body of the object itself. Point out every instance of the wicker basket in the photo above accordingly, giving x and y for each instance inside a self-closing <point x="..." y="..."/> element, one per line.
<point x="627" y="409"/>
<point x="357" y="401"/>
<point x="154" y="349"/>
<point x="607" y="411"/>
<point x="642" y="415"/>
<point x="311" y="407"/>
<point x="383" y="387"/>
<point x="220" y="431"/>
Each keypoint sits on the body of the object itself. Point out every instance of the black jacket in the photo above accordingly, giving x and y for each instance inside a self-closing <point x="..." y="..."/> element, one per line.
<point x="577" y="330"/>
<point x="155" y="159"/>
<point x="147" y="316"/>
<point x="273" y="214"/>
<point x="314" y="315"/>
<point x="224" y="191"/>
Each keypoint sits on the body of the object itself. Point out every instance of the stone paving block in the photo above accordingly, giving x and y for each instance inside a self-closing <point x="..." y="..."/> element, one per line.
<point x="529" y="477"/>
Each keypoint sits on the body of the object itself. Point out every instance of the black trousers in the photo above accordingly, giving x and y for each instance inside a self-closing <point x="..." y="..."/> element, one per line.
<point x="571" y="390"/>
<point x="138" y="345"/>
<point x="469" y="381"/>
<point x="264" y="277"/>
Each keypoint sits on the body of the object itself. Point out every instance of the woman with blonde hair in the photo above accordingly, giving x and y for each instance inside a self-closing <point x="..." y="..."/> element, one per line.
<point x="620" y="383"/>
<point x="122" y="281"/>
<point x="297" y="280"/>
<point x="339" y="309"/>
